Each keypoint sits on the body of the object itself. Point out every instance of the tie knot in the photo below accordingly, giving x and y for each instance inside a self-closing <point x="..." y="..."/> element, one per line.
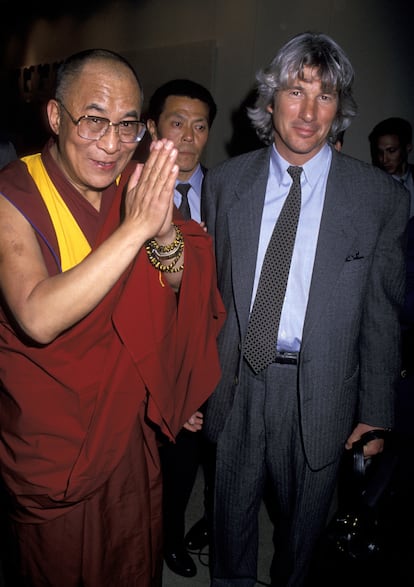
<point x="183" y="188"/>
<point x="295" y="172"/>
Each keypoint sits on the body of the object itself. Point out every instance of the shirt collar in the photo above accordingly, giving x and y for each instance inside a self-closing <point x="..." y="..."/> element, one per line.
<point x="312" y="169"/>
<point x="195" y="180"/>
<point x="404" y="177"/>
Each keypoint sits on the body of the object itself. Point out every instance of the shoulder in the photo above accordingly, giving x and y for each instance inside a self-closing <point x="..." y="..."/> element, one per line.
<point x="15" y="177"/>
<point x="235" y="166"/>
<point x="343" y="162"/>
<point x="367" y="190"/>
<point x="241" y="171"/>
<point x="352" y="171"/>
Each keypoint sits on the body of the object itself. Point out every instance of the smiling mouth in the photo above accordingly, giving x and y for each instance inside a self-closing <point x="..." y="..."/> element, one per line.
<point x="305" y="131"/>
<point x="105" y="164"/>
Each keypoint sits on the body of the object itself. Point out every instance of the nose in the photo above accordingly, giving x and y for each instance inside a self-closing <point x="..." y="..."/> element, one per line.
<point x="308" y="109"/>
<point x="109" y="141"/>
<point x="386" y="158"/>
<point x="188" y="133"/>
<point x="379" y="157"/>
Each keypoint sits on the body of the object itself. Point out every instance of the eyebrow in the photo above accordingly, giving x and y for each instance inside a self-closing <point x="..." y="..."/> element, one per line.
<point x="183" y="115"/>
<point x="101" y="110"/>
<point x="299" y="84"/>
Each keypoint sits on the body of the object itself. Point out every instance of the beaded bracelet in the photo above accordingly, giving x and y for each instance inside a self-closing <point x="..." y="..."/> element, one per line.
<point x="175" y="253"/>
<point x="160" y="249"/>
<point x="154" y="259"/>
<point x="157" y="253"/>
<point x="160" y="267"/>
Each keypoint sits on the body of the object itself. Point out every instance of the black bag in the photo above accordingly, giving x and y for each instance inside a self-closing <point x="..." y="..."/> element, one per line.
<point x="359" y="529"/>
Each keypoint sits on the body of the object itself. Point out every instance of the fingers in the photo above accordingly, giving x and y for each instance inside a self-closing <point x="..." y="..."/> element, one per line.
<point x="159" y="172"/>
<point x="157" y="176"/>
<point x="197" y="417"/>
<point x="193" y="427"/>
<point x="190" y="427"/>
<point x="135" y="175"/>
<point x="370" y="449"/>
<point x="194" y="422"/>
<point x="150" y="192"/>
<point x="374" y="447"/>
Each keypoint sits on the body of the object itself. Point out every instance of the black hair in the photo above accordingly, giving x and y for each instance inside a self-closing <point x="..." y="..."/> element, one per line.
<point x="392" y="126"/>
<point x="180" y="87"/>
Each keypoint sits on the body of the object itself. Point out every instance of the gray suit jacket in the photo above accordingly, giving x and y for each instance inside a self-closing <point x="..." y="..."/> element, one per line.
<point x="350" y="355"/>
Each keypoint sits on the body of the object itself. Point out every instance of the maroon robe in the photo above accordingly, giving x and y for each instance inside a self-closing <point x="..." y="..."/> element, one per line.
<point x="76" y="414"/>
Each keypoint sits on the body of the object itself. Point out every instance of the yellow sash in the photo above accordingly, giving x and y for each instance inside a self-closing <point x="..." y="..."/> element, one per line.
<point x="73" y="245"/>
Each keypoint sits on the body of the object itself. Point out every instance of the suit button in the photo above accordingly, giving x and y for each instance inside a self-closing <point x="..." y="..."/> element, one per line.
<point x="235" y="380"/>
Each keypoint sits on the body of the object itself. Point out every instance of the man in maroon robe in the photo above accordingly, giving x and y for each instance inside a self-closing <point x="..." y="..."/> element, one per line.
<point x="108" y="328"/>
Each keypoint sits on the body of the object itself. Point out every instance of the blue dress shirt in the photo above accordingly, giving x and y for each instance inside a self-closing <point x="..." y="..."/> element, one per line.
<point x="313" y="185"/>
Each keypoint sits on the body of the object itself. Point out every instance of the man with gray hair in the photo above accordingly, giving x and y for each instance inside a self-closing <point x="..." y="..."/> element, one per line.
<point x="309" y="247"/>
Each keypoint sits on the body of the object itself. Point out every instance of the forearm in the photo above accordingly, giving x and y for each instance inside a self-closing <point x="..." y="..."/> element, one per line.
<point x="44" y="306"/>
<point x="55" y="303"/>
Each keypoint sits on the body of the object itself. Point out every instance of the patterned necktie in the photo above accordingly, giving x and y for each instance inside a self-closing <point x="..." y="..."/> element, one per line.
<point x="184" y="207"/>
<point x="263" y="327"/>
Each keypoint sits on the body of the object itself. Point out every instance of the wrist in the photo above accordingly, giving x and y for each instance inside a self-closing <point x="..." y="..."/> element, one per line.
<point x="167" y="257"/>
<point x="166" y="238"/>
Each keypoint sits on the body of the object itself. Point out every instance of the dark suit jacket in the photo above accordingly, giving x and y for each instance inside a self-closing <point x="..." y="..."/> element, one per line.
<point x="7" y="152"/>
<point x="350" y="344"/>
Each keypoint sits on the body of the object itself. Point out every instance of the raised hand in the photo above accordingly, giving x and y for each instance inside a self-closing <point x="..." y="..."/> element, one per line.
<point x="149" y="199"/>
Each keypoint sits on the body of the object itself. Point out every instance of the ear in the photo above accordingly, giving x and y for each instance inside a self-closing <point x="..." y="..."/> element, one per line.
<point x="152" y="129"/>
<point x="269" y="108"/>
<point x="53" y="115"/>
<point x="409" y="148"/>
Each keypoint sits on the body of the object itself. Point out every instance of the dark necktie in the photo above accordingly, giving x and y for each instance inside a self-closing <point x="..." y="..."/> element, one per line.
<point x="263" y="327"/>
<point x="184" y="207"/>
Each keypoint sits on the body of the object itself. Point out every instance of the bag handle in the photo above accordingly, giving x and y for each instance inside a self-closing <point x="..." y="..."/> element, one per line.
<point x="359" y="461"/>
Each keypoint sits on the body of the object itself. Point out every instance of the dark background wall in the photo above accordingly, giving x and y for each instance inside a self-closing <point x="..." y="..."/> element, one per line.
<point x="220" y="43"/>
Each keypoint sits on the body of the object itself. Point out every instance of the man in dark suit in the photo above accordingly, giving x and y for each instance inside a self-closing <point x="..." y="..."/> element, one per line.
<point x="391" y="144"/>
<point x="183" y="111"/>
<point x="334" y="356"/>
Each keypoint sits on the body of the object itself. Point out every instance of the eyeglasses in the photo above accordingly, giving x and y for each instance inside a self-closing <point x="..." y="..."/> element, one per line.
<point x="93" y="128"/>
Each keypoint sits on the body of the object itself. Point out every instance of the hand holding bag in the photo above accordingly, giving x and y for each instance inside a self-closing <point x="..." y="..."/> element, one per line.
<point x="358" y="529"/>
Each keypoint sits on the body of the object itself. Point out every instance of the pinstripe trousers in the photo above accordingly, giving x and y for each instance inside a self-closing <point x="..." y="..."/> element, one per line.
<point x="261" y="446"/>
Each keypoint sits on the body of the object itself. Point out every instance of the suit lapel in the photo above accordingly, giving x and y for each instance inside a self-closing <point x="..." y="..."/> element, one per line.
<point x="244" y="219"/>
<point x="335" y="239"/>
